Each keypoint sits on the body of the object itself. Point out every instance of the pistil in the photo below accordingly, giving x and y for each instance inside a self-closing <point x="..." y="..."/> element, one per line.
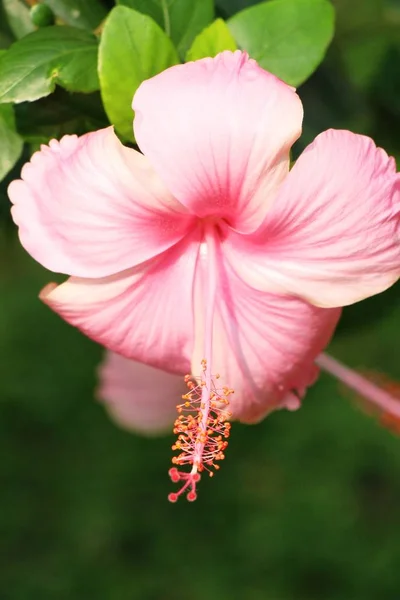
<point x="202" y="426"/>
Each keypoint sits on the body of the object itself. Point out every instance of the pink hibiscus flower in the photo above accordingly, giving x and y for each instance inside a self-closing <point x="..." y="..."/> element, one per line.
<point x="205" y="255"/>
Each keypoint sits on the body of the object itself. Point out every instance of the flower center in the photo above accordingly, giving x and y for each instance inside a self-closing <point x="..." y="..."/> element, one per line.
<point x="202" y="426"/>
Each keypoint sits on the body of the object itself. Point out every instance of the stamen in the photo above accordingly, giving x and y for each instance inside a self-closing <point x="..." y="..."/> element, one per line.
<point x="201" y="426"/>
<point x="202" y="431"/>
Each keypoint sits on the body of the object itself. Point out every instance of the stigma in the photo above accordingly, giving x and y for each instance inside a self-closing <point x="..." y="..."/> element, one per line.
<point x="203" y="430"/>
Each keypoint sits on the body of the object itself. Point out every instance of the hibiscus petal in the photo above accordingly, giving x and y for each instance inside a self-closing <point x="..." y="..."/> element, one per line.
<point x="88" y="206"/>
<point x="218" y="132"/>
<point x="264" y="345"/>
<point x="332" y="236"/>
<point x="144" y="313"/>
<point x="138" y="397"/>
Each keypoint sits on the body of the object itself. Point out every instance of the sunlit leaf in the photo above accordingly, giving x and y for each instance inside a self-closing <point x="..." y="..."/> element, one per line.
<point x="213" y="39"/>
<point x="287" y="37"/>
<point x="132" y="48"/>
<point x="33" y="65"/>
<point x="182" y="20"/>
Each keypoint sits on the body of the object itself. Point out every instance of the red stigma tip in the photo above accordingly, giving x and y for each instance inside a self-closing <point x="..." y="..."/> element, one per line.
<point x="174" y="475"/>
<point x="173" y="497"/>
<point x="191" y="496"/>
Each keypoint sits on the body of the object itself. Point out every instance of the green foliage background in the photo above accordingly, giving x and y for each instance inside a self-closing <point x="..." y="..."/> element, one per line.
<point x="306" y="504"/>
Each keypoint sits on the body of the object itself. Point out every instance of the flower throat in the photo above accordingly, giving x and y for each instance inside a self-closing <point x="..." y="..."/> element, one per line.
<point x="202" y="426"/>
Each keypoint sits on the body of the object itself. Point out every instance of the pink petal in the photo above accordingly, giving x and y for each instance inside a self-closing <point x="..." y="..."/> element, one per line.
<point x="264" y="345"/>
<point x="218" y="132"/>
<point x="138" y="397"/>
<point x="144" y="313"/>
<point x="332" y="236"/>
<point x="90" y="207"/>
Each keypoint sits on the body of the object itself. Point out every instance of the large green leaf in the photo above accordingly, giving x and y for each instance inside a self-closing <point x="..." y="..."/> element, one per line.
<point x="213" y="39"/>
<point x="33" y="65"/>
<point x="86" y="14"/>
<point x="132" y="49"/>
<point x="182" y="20"/>
<point x="10" y="142"/>
<point x="18" y="17"/>
<point x="287" y="37"/>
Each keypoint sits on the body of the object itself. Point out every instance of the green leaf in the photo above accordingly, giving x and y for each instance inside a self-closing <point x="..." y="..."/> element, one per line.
<point x="10" y="142"/>
<point x="182" y="20"/>
<point x="33" y="65"/>
<point x="287" y="37"/>
<point x="152" y="8"/>
<point x="213" y="39"/>
<point x="132" y="49"/>
<point x="18" y="17"/>
<point x="86" y="14"/>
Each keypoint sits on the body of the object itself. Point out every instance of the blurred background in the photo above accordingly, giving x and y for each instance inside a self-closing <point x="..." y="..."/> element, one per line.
<point x="306" y="505"/>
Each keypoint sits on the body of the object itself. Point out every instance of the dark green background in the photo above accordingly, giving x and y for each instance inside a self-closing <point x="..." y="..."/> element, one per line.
<point x="306" y="505"/>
